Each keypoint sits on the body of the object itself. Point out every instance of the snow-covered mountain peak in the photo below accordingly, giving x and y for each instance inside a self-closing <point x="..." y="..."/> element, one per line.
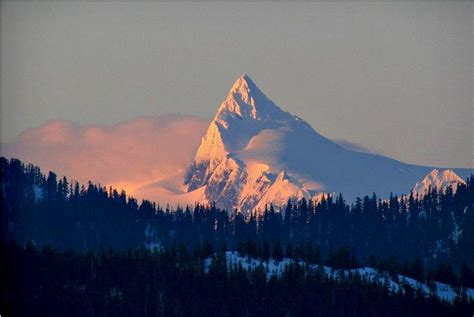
<point x="446" y="177"/>
<point x="439" y="180"/>
<point x="245" y="87"/>
<point x="433" y="174"/>
<point x="246" y="101"/>
<point x="225" y="163"/>
<point x="255" y="154"/>
<point x="245" y="90"/>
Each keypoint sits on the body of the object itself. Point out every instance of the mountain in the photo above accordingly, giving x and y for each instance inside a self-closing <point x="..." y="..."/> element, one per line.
<point x="439" y="180"/>
<point x="254" y="153"/>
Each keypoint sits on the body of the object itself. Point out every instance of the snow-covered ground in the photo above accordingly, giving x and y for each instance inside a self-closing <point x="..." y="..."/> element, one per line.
<point x="442" y="291"/>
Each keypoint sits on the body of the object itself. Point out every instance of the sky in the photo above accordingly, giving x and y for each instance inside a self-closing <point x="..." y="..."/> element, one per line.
<point x="391" y="78"/>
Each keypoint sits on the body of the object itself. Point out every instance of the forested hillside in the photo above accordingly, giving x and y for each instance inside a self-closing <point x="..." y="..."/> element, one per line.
<point x="72" y="247"/>
<point x="436" y="229"/>
<point x="174" y="282"/>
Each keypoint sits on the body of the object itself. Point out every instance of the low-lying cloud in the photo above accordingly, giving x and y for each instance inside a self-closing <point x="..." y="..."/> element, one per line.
<point x="128" y="155"/>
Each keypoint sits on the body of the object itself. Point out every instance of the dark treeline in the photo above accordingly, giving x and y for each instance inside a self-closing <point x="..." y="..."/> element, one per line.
<point x="173" y="282"/>
<point x="435" y="232"/>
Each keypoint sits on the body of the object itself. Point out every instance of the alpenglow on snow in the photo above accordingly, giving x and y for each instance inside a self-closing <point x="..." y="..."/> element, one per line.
<point x="255" y="154"/>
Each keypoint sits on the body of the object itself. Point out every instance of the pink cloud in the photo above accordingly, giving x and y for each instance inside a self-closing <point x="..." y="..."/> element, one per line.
<point x="130" y="155"/>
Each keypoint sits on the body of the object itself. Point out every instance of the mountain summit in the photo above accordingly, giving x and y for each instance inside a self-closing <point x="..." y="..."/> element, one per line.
<point x="244" y="113"/>
<point x="255" y="154"/>
<point x="237" y="160"/>
<point x="246" y="100"/>
<point x="439" y="181"/>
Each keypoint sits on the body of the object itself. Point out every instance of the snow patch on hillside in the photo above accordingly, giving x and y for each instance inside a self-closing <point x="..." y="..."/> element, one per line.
<point x="272" y="267"/>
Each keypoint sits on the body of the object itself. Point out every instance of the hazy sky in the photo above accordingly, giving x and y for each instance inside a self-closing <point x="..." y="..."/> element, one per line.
<point x="396" y="78"/>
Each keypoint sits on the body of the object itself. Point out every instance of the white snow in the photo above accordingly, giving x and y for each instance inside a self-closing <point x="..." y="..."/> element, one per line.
<point x="282" y="189"/>
<point x="438" y="180"/>
<point x="272" y="267"/>
<point x="151" y="241"/>
<point x="251" y="140"/>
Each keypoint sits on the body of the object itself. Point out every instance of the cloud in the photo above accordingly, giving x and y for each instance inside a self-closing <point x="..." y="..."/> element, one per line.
<point x="129" y="155"/>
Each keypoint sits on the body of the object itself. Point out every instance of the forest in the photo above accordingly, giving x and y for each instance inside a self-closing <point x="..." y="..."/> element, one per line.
<point x="172" y="282"/>
<point x="97" y="248"/>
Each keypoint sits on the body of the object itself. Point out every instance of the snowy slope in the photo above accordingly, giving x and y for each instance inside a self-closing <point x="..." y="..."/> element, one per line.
<point x="250" y="141"/>
<point x="236" y="160"/>
<point x="443" y="291"/>
<point x="282" y="189"/>
<point x="439" y="180"/>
